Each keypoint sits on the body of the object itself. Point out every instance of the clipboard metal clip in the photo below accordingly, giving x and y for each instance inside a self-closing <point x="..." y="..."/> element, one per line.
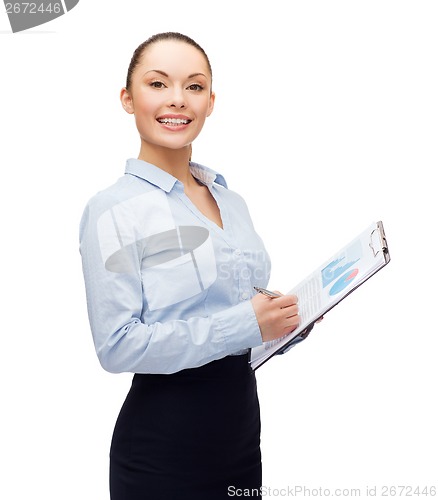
<point x="381" y="245"/>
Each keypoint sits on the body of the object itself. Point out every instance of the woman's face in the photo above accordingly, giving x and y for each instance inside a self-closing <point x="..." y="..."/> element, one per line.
<point x="170" y="95"/>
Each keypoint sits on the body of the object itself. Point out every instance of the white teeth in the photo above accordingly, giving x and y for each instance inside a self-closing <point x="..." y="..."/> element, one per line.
<point x="173" y="121"/>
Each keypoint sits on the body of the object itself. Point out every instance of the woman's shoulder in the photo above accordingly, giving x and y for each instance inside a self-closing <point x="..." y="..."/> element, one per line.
<point x="123" y="188"/>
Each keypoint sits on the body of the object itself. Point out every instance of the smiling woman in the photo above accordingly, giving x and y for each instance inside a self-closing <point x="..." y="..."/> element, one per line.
<point x="171" y="259"/>
<point x="170" y="94"/>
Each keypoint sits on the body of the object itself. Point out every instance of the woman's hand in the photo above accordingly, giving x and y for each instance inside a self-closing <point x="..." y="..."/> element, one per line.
<point x="276" y="316"/>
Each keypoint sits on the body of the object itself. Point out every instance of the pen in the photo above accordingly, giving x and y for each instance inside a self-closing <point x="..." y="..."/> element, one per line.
<point x="268" y="293"/>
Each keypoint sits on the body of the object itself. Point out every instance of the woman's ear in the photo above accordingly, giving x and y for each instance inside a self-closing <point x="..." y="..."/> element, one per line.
<point x="211" y="106"/>
<point x="126" y="100"/>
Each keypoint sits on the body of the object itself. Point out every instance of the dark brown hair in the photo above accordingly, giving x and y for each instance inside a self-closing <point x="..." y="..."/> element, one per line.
<point x="158" y="38"/>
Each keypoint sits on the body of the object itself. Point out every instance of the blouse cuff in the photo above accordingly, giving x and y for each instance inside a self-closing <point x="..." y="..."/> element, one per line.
<point x="239" y="327"/>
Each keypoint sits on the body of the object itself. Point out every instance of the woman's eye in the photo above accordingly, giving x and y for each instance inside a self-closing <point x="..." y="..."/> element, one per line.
<point x="195" y="86"/>
<point x="157" y="85"/>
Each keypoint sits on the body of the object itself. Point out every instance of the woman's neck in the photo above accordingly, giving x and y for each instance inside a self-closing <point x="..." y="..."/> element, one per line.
<point x="173" y="161"/>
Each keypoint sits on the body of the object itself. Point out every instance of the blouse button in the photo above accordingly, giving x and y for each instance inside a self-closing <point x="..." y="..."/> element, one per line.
<point x="244" y="295"/>
<point x="237" y="251"/>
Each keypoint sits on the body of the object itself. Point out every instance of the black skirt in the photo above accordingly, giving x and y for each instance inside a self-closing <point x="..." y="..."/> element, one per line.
<point x="191" y="435"/>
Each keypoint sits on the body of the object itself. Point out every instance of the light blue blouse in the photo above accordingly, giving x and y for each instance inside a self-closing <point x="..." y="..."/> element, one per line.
<point x="167" y="288"/>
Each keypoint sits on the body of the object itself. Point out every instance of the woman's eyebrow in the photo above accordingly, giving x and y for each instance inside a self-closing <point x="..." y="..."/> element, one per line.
<point x="167" y="76"/>
<point x="156" y="71"/>
<point x="196" y="74"/>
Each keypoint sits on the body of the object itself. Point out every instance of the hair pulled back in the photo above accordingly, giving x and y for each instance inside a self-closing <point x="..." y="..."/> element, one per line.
<point x="170" y="35"/>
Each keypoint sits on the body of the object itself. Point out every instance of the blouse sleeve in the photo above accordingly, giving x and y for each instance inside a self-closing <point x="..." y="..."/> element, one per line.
<point x="126" y="344"/>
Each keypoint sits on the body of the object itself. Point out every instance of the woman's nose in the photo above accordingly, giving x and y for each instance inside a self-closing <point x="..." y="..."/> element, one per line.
<point x="177" y="99"/>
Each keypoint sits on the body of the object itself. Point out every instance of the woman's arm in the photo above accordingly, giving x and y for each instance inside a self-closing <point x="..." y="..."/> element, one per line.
<point x="126" y="344"/>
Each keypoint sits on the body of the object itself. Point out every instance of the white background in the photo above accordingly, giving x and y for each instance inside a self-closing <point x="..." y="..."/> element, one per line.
<point x="325" y="121"/>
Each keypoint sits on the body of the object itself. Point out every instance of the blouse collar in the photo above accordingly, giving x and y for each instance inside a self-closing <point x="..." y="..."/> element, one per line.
<point x="166" y="181"/>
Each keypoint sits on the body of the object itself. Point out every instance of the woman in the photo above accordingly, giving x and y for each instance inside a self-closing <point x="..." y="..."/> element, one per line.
<point x="170" y="259"/>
